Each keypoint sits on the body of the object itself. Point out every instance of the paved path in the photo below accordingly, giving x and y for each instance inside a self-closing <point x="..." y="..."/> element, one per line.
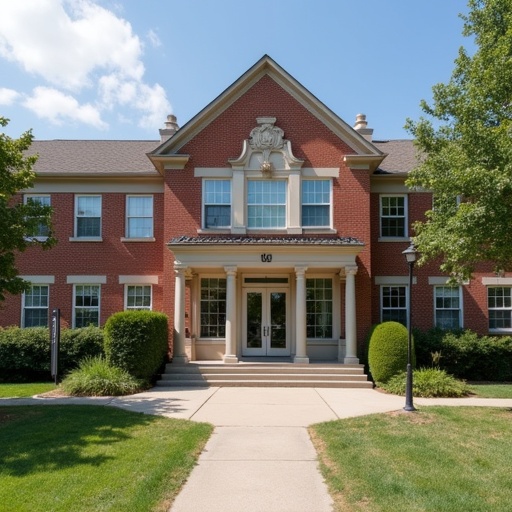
<point x="260" y="457"/>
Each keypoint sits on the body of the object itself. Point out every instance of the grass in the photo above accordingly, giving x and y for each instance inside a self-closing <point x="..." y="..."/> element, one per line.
<point x="93" y="458"/>
<point x="445" y="459"/>
<point x="491" y="389"/>
<point x="24" y="390"/>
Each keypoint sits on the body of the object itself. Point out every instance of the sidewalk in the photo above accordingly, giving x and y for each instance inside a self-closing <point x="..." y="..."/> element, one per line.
<point x="260" y="457"/>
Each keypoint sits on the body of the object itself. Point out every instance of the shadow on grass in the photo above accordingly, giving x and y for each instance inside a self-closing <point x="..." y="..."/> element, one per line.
<point x="40" y="439"/>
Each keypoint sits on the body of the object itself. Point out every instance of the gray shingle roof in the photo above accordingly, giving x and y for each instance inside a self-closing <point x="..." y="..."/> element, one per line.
<point x="263" y="240"/>
<point x="94" y="156"/>
<point x="402" y="156"/>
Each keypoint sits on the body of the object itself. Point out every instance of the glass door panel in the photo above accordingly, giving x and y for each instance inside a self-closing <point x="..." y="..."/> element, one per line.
<point x="254" y="320"/>
<point x="277" y="320"/>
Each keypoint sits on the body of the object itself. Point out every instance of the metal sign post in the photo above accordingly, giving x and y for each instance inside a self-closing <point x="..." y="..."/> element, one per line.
<point x="55" y="342"/>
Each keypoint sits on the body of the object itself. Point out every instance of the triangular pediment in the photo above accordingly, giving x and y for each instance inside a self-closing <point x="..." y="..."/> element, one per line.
<point x="168" y="156"/>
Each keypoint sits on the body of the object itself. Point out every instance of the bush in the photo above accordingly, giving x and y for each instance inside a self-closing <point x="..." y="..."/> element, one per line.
<point x="137" y="342"/>
<point x="95" y="377"/>
<point x="387" y="353"/>
<point x="467" y="355"/>
<point x="428" y="383"/>
<point x="25" y="353"/>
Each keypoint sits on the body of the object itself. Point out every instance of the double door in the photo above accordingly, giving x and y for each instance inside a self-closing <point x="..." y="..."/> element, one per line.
<point x="265" y="329"/>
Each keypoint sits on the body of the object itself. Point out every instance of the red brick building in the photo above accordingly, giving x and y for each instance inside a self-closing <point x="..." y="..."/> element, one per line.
<point x="265" y="226"/>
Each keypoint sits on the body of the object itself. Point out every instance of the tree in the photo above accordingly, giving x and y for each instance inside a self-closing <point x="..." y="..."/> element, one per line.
<point x="19" y="222"/>
<point x="465" y="148"/>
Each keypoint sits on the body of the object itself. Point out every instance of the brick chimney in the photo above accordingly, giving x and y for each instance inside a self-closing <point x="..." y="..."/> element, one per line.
<point x="361" y="127"/>
<point x="171" y="127"/>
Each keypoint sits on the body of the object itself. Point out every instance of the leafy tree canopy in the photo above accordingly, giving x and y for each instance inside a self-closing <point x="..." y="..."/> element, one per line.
<point x="19" y="222"/>
<point x="466" y="145"/>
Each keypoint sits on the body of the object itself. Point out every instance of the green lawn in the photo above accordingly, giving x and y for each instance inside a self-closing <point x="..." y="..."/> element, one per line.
<point x="25" y="390"/>
<point x="93" y="458"/>
<point x="491" y="389"/>
<point x="444" y="459"/>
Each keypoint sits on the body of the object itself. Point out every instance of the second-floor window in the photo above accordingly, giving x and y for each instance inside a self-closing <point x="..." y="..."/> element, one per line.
<point x="42" y="229"/>
<point x="139" y="216"/>
<point x="316" y="203"/>
<point x="393" y="216"/>
<point x="217" y="203"/>
<point x="266" y="204"/>
<point x="88" y="216"/>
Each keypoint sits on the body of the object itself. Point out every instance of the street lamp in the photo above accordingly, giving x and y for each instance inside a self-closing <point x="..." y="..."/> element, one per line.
<point x="410" y="255"/>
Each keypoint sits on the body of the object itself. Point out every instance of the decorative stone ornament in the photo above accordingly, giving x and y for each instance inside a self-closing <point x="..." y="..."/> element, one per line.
<point x="266" y="138"/>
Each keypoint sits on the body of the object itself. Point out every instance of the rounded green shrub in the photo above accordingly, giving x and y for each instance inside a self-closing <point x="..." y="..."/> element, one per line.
<point x="136" y="341"/>
<point x="387" y="353"/>
<point x="95" y="377"/>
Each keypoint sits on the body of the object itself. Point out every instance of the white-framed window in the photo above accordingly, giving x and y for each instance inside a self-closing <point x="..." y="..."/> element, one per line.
<point x="499" y="303"/>
<point x="316" y="203"/>
<point x="42" y="229"/>
<point x="217" y="203"/>
<point x="266" y="204"/>
<point x="138" y="296"/>
<point x="139" y="216"/>
<point x="213" y="307"/>
<point x="448" y="307"/>
<point x="393" y="216"/>
<point x="86" y="305"/>
<point x="319" y="308"/>
<point x="35" y="306"/>
<point x="87" y="216"/>
<point x="393" y="300"/>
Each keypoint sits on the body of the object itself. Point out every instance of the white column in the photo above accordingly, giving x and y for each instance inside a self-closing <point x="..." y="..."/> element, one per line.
<point x="179" y="354"/>
<point x="300" y="316"/>
<point x="230" y="354"/>
<point x="350" y="316"/>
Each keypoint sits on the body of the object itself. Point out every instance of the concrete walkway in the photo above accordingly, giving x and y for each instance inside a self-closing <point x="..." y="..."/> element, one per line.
<point x="260" y="457"/>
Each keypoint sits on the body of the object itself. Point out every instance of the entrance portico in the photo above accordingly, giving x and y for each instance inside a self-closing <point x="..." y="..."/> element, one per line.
<point x="266" y="297"/>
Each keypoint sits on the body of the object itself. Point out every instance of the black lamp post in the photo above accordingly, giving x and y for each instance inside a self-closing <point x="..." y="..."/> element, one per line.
<point x="410" y="255"/>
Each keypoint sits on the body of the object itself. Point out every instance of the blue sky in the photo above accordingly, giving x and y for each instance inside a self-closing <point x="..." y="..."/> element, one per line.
<point x="114" y="69"/>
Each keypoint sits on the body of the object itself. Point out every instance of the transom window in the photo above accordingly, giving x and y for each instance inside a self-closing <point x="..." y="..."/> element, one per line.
<point x="316" y="203"/>
<point x="447" y="306"/>
<point x="139" y="216"/>
<point x="88" y="216"/>
<point x="393" y="218"/>
<point x="138" y="297"/>
<point x="217" y="203"/>
<point x="394" y="304"/>
<point x="35" y="306"/>
<point x="266" y="204"/>
<point x="213" y="307"/>
<point x="319" y="308"/>
<point x="499" y="302"/>
<point x="42" y="229"/>
<point x="87" y="305"/>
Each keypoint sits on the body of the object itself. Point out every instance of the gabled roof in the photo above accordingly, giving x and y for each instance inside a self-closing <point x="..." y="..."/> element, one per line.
<point x="402" y="156"/>
<point x="167" y="153"/>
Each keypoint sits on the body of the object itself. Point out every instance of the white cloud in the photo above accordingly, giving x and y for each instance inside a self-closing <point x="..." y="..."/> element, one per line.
<point x="80" y="47"/>
<point x="8" y="96"/>
<point x="154" y="39"/>
<point x="60" y="108"/>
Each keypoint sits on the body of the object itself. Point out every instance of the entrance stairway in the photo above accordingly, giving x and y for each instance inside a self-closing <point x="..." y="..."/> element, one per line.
<point x="315" y="375"/>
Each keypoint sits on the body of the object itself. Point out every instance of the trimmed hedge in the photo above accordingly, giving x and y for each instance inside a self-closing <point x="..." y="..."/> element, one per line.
<point x="25" y="353"/>
<point x="136" y="341"/>
<point x="387" y="353"/>
<point x="466" y="355"/>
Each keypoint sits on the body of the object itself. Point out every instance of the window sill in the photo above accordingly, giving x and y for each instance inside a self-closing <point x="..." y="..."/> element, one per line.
<point x="320" y="231"/>
<point x="394" y="239"/>
<point x="506" y="331"/>
<point x="212" y="231"/>
<point x="86" y="239"/>
<point x="39" y="239"/>
<point x="146" y="239"/>
<point x="313" y="341"/>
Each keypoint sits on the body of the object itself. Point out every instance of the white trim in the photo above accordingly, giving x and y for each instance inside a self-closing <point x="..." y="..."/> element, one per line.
<point x="93" y="238"/>
<point x="86" y="239"/>
<point x="460" y="309"/>
<point x="98" y="186"/>
<point x="393" y="280"/>
<point x="203" y="206"/>
<point x="39" y="279"/>
<point x="133" y="279"/>
<point x="330" y="204"/>
<point x="320" y="172"/>
<point x="127" y="217"/>
<point x="74" y="299"/>
<point x="81" y="279"/>
<point x="126" y="308"/>
<point x="406" y="218"/>
<point x="497" y="281"/>
<point x="407" y="291"/>
<point x="147" y="239"/>
<point x="213" y="172"/>
<point x="22" y="321"/>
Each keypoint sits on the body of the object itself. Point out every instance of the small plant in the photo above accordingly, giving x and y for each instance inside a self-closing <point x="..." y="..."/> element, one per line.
<point x="428" y="383"/>
<point x="95" y="377"/>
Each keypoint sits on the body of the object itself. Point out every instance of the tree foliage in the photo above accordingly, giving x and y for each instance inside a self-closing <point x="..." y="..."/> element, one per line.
<point x="18" y="221"/>
<point x="465" y="143"/>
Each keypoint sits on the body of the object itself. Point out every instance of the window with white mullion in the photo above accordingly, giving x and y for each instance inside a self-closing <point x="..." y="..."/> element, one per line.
<point x="316" y="203"/>
<point x="139" y="216"/>
<point x="86" y="305"/>
<point x="499" y="302"/>
<point x="42" y="229"/>
<point x="138" y="297"/>
<point x="266" y="204"/>
<point x="393" y="216"/>
<point x="394" y="304"/>
<point x="35" y="306"/>
<point x="447" y="307"/>
<point x="217" y="203"/>
<point x="88" y="216"/>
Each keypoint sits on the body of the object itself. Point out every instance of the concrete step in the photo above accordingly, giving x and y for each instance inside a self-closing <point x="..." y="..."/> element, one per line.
<point x="268" y="383"/>
<point x="263" y="376"/>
